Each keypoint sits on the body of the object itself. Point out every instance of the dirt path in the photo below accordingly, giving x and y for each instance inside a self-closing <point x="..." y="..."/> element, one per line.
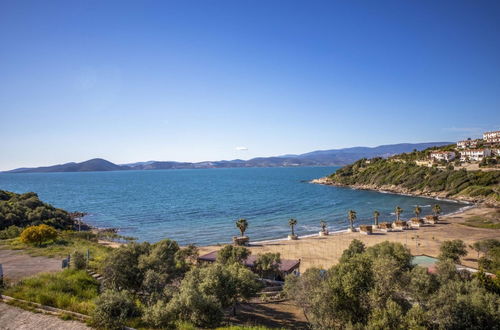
<point x="17" y="265"/>
<point x="12" y="317"/>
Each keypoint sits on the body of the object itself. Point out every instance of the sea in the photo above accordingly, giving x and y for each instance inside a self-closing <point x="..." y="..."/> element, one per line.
<point x="200" y="206"/>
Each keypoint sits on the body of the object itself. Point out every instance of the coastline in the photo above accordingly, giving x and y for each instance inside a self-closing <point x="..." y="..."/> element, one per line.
<point x="393" y="189"/>
<point x="325" y="251"/>
<point x="458" y="212"/>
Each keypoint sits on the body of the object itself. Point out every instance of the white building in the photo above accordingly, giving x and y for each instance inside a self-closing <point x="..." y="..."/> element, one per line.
<point x="466" y="144"/>
<point x="474" y="154"/>
<point x="443" y="155"/>
<point x="491" y="137"/>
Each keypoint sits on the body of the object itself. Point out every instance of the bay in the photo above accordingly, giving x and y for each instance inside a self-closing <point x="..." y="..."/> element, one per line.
<point x="201" y="206"/>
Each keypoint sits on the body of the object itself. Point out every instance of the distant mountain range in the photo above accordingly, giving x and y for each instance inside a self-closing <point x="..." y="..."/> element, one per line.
<point x="333" y="157"/>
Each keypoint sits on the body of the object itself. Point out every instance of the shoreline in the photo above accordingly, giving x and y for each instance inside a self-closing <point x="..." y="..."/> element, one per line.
<point x="325" y="251"/>
<point x="341" y="231"/>
<point x="396" y="190"/>
<point x="467" y="205"/>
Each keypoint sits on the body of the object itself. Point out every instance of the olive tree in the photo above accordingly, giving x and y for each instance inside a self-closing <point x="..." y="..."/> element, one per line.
<point x="452" y="250"/>
<point x="112" y="309"/>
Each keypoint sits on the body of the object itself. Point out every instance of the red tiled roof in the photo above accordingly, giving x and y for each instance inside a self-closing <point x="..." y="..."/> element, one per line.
<point x="286" y="265"/>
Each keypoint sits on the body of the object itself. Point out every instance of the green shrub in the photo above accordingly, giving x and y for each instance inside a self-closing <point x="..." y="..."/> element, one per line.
<point x="10" y="232"/>
<point x="158" y="315"/>
<point x="27" y="209"/>
<point x="452" y="250"/>
<point x="113" y="309"/>
<point x="78" y="260"/>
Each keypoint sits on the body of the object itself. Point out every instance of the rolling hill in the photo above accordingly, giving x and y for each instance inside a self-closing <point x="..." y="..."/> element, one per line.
<point x="333" y="157"/>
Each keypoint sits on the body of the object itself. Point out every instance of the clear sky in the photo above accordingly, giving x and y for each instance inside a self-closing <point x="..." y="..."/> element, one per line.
<point x="193" y="80"/>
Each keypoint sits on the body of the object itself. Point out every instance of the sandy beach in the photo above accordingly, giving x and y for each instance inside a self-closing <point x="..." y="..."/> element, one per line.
<point x="325" y="251"/>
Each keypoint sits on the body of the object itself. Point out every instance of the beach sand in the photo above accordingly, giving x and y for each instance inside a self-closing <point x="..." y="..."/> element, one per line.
<point x="325" y="251"/>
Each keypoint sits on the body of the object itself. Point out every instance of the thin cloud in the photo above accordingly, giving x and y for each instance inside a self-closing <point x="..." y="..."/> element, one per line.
<point x="241" y="148"/>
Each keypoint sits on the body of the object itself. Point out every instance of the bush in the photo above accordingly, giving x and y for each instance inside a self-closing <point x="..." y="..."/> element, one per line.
<point x="78" y="260"/>
<point x="10" y="232"/>
<point x="452" y="250"/>
<point x="113" y="309"/>
<point x="158" y="316"/>
<point x="38" y="234"/>
<point x="379" y="289"/>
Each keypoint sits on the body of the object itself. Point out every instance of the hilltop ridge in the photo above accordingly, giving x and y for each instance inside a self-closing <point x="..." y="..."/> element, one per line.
<point x="401" y="174"/>
<point x="332" y="157"/>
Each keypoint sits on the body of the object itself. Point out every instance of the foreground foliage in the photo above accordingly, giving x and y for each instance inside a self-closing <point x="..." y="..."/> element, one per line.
<point x="112" y="309"/>
<point x="172" y="288"/>
<point x="378" y="288"/>
<point x="70" y="289"/>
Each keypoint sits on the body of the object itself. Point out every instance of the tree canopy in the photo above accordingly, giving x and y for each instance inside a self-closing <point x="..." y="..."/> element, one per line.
<point x="378" y="288"/>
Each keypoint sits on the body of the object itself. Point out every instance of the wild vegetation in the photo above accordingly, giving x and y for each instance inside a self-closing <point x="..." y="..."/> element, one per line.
<point x="379" y="288"/>
<point x="488" y="253"/>
<point x="386" y="173"/>
<point x="66" y="243"/>
<point x="38" y="235"/>
<point x="70" y="289"/>
<point x="23" y="210"/>
<point x="169" y="288"/>
<point x="160" y="286"/>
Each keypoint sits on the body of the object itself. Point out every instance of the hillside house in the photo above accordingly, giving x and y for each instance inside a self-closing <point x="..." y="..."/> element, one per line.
<point x="474" y="154"/>
<point x="442" y="155"/>
<point x="491" y="137"/>
<point x="468" y="144"/>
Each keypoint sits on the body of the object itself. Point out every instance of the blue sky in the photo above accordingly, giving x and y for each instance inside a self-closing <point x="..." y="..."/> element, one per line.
<point x="194" y="80"/>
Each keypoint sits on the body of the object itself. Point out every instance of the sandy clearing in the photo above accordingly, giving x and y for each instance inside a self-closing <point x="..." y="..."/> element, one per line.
<point x="17" y="264"/>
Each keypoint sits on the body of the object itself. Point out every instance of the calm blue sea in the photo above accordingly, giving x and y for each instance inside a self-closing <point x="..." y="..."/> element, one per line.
<point x="201" y="206"/>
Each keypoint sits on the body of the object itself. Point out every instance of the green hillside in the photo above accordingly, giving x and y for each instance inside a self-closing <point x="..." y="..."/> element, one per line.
<point x="27" y="209"/>
<point x="401" y="174"/>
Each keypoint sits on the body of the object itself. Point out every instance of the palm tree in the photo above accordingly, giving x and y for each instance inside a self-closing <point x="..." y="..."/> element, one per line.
<point x="436" y="209"/>
<point x="398" y="212"/>
<point x="351" y="215"/>
<point x="323" y="225"/>
<point x="376" y="214"/>
<point x="417" y="211"/>
<point x="242" y="225"/>
<point x="292" y="222"/>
